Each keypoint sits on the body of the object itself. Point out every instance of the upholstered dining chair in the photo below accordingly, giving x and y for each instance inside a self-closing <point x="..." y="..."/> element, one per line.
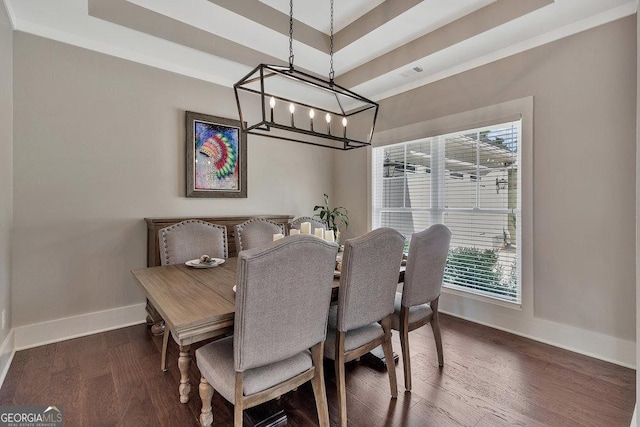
<point x="188" y="240"/>
<point x="315" y="223"/>
<point x="417" y="304"/>
<point x="361" y="320"/>
<point x="255" y="233"/>
<point x="282" y="302"/>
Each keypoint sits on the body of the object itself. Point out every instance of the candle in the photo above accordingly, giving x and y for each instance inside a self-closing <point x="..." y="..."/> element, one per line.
<point x="319" y="232"/>
<point x="344" y="124"/>
<point x="329" y="236"/>
<point x="328" y="119"/>
<point x="292" y="109"/>
<point x="272" y="104"/>
<point x="294" y="231"/>
<point x="311" y="114"/>
<point x="278" y="236"/>
<point x="305" y="228"/>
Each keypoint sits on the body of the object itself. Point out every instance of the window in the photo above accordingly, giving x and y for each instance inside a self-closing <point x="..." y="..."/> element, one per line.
<point x="468" y="181"/>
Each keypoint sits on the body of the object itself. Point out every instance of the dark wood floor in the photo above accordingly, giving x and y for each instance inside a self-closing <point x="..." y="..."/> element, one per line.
<point x="490" y="378"/>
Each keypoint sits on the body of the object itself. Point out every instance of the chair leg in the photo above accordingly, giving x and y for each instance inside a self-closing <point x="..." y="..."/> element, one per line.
<point x="238" y="407"/>
<point x="165" y="349"/>
<point x="435" y="326"/>
<point x="206" y="393"/>
<point x="388" y="355"/>
<point x="340" y="378"/>
<point x="317" y="382"/>
<point x="404" y="343"/>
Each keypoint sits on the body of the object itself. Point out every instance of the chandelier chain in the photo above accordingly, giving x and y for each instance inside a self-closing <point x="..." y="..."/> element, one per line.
<point x="331" y="72"/>
<point x="291" y="34"/>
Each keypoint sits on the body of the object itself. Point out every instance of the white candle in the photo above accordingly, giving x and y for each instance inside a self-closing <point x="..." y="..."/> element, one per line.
<point x="278" y="236"/>
<point x="305" y="228"/>
<point x="329" y="236"/>
<point x="294" y="231"/>
<point x="319" y="232"/>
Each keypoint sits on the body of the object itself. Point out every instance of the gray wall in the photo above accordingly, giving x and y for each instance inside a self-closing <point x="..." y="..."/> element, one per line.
<point x="6" y="165"/>
<point x="99" y="145"/>
<point x="635" y="412"/>
<point x="584" y="151"/>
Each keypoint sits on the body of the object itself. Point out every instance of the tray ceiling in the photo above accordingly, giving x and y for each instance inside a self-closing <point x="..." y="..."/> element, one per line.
<point x="381" y="47"/>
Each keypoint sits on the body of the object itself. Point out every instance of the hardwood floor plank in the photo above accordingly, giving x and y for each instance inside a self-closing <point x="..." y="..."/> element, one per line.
<point x="84" y="358"/>
<point x="99" y="405"/>
<point x="490" y="378"/>
<point x="131" y="395"/>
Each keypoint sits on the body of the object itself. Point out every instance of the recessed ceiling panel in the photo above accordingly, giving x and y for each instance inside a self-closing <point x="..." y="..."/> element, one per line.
<point x="316" y="13"/>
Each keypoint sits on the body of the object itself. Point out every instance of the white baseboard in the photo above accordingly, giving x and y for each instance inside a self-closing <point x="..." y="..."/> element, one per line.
<point x="7" y="350"/>
<point x="52" y="331"/>
<point x="604" y="347"/>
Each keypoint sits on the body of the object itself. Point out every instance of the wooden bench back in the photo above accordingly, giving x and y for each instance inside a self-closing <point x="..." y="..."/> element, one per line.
<point x="156" y="224"/>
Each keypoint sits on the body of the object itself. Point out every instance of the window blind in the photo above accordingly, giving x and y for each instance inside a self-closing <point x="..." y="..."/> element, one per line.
<point x="468" y="181"/>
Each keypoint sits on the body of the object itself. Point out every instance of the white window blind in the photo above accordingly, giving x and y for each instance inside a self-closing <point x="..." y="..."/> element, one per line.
<point x="469" y="181"/>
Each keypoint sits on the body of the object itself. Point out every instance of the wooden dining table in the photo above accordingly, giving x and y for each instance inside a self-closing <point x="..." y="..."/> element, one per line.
<point x="196" y="304"/>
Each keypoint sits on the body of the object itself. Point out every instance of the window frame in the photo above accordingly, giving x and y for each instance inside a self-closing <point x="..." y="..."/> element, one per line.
<point x="517" y="109"/>
<point x="439" y="179"/>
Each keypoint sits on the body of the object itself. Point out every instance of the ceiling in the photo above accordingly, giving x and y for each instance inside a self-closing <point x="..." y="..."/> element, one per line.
<point x="381" y="48"/>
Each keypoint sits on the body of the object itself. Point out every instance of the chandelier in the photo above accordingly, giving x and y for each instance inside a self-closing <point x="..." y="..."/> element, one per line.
<point x="279" y="101"/>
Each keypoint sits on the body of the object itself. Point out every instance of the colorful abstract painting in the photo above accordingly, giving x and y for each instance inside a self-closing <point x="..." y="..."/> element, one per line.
<point x="216" y="157"/>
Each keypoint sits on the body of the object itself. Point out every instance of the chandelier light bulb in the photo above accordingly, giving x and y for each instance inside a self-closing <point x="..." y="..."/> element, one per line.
<point x="292" y="108"/>
<point x="272" y="103"/>
<point x="344" y="121"/>
<point x="311" y="113"/>
<point x="328" y="118"/>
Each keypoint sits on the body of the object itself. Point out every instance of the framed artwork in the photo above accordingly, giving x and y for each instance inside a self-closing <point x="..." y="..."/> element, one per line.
<point x="216" y="157"/>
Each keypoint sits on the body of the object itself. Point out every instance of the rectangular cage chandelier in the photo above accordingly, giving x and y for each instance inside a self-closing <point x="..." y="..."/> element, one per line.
<point x="278" y="101"/>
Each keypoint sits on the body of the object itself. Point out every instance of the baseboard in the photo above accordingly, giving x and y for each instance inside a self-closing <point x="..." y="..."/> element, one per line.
<point x="52" y="331"/>
<point x="592" y="344"/>
<point x="604" y="347"/>
<point x="7" y="350"/>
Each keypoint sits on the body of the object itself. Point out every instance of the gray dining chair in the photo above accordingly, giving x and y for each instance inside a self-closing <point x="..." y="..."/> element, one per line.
<point x="185" y="241"/>
<point x="362" y="318"/>
<point x="255" y="233"/>
<point x="190" y="239"/>
<point x="315" y="223"/>
<point x="417" y="304"/>
<point x="282" y="302"/>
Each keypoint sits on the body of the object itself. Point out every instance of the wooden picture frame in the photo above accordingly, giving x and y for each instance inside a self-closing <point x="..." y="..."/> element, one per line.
<point x="216" y="157"/>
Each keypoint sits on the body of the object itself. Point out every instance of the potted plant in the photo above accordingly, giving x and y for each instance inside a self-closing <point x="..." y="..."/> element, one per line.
<point x="332" y="217"/>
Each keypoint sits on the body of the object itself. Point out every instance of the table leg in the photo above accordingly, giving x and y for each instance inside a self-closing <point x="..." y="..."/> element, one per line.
<point x="375" y="358"/>
<point x="154" y="320"/>
<point x="184" y="361"/>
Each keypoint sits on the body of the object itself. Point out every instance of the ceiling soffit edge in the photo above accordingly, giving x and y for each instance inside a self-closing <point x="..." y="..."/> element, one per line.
<point x="277" y="21"/>
<point x="475" y="23"/>
<point x="371" y="20"/>
<point x="126" y="14"/>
